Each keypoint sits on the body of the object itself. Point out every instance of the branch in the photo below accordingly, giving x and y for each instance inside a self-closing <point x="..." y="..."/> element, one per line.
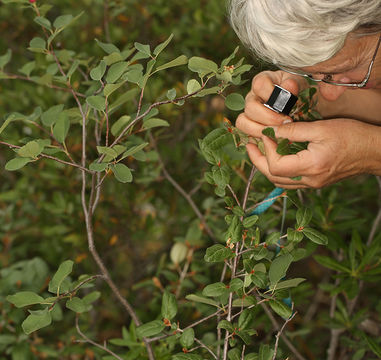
<point x="282" y="336"/>
<point x="13" y="76"/>
<point x="157" y="104"/>
<point x="51" y="158"/>
<point x="93" y="342"/>
<point x="277" y="336"/>
<point x="177" y="186"/>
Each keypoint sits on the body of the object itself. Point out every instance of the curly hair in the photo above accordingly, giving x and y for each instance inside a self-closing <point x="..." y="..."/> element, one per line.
<point x="299" y="33"/>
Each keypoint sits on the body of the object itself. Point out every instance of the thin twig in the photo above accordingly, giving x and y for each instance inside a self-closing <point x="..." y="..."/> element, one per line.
<point x="104" y="348"/>
<point x="282" y="336"/>
<point x="277" y="336"/>
<point x="198" y="322"/>
<point x="206" y="347"/>
<point x="233" y="194"/>
<point x="177" y="186"/>
<point x="19" y="77"/>
<point x="50" y="157"/>
<point x="184" y="272"/>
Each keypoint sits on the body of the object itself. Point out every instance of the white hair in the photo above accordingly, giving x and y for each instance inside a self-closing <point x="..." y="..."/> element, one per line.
<point x="301" y="33"/>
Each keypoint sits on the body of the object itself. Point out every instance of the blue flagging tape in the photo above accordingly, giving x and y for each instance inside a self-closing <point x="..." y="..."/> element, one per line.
<point x="261" y="208"/>
<point x="266" y="203"/>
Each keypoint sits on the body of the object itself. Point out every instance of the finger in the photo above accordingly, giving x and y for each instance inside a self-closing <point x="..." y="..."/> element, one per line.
<point x="260" y="161"/>
<point x="288" y="165"/>
<point x="248" y="126"/>
<point x="291" y="85"/>
<point x="300" y="131"/>
<point x="255" y="110"/>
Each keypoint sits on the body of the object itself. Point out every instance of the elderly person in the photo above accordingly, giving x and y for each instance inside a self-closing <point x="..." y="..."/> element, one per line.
<point x="335" y="43"/>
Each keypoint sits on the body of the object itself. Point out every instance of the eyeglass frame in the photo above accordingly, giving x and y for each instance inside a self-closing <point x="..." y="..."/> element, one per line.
<point x="357" y="85"/>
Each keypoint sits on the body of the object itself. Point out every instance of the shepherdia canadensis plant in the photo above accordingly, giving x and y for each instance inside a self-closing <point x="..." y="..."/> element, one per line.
<point x="235" y="285"/>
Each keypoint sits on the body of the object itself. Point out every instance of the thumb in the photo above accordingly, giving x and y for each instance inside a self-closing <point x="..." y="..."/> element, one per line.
<point x="291" y="85"/>
<point x="295" y="131"/>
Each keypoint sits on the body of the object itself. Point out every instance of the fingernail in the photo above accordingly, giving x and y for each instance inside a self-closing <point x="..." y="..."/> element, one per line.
<point x="287" y="121"/>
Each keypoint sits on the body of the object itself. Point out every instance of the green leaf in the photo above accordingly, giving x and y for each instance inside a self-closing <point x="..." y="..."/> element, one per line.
<point x="16" y="163"/>
<point x="331" y="263"/>
<point x="110" y="88"/>
<point x="168" y="306"/>
<point x="245" y="336"/>
<point x="234" y="354"/>
<point x="5" y="59"/>
<point x="145" y="49"/>
<point x="30" y="150"/>
<point x="294" y="235"/>
<point x="226" y="325"/>
<point x="217" y="253"/>
<point x="245" y="319"/>
<point x="44" y="22"/>
<point x="61" y="128"/>
<point x="265" y="352"/>
<point x="201" y="299"/>
<point x="171" y="94"/>
<point x="120" y="124"/>
<point x="37" y="43"/>
<point x="286" y="284"/>
<point x="259" y="279"/>
<point x="269" y="132"/>
<point x="122" y="173"/>
<point x="192" y="86"/>
<point x="108" y="48"/>
<point x="216" y="289"/>
<point x="107" y="151"/>
<point x="28" y="68"/>
<point x="279" y="267"/>
<point x="62" y="21"/>
<point x="77" y="305"/>
<point x="98" y="72"/>
<point x="315" y="236"/>
<point x="97" y="102"/>
<point x="221" y="176"/>
<point x="180" y="60"/>
<point x="202" y="66"/>
<point x="36" y="321"/>
<point x="303" y="217"/>
<point x="178" y="252"/>
<point x="162" y="46"/>
<point x="24" y="298"/>
<point x="154" y="122"/>
<point x="150" y="329"/>
<point x="283" y="147"/>
<point x="250" y="221"/>
<point x="91" y="297"/>
<point x="236" y="285"/>
<point x="50" y="116"/>
<point x="115" y="71"/>
<point x="61" y="274"/>
<point x="187" y="338"/>
<point x="235" y="102"/>
<point x="134" y="149"/>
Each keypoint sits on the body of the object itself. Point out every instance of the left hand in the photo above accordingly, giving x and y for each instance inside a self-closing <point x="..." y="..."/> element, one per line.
<point x="338" y="148"/>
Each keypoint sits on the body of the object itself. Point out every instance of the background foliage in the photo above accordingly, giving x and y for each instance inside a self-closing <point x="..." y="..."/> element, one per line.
<point x="150" y="238"/>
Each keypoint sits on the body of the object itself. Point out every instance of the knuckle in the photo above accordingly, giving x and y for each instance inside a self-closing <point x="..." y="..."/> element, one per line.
<point x="241" y="120"/>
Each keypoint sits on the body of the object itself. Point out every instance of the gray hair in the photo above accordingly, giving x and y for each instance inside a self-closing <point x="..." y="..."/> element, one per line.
<point x="301" y="33"/>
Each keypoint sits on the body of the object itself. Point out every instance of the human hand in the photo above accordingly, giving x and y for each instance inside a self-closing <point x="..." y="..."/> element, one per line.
<point x="337" y="149"/>
<point x="261" y="89"/>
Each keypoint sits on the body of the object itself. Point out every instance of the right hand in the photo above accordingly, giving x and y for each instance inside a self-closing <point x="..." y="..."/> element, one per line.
<point x="261" y="88"/>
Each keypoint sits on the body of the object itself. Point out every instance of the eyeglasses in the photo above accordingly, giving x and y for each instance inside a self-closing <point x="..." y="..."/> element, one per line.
<point x="328" y="78"/>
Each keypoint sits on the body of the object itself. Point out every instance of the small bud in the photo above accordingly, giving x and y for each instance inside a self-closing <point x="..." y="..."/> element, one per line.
<point x="32" y="1"/>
